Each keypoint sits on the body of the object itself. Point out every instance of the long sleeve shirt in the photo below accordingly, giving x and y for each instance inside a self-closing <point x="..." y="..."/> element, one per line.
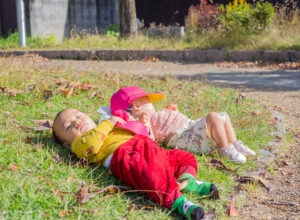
<point x="99" y="143"/>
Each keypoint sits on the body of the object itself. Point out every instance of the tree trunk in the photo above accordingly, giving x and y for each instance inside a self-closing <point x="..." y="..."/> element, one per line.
<point x="128" y="23"/>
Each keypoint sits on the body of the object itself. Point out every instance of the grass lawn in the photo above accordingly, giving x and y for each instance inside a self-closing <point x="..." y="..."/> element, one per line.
<point x="38" y="178"/>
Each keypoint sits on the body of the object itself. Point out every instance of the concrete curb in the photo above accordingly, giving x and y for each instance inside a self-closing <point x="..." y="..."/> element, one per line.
<point x="185" y="56"/>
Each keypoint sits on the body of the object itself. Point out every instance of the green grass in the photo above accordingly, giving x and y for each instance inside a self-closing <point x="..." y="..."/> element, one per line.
<point x="283" y="34"/>
<point x="29" y="192"/>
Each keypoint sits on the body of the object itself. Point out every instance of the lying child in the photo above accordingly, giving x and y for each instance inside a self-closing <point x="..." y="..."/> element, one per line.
<point x="135" y="159"/>
<point x="175" y="129"/>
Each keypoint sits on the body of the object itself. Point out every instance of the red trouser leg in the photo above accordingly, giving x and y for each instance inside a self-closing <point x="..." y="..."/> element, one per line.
<point x="140" y="163"/>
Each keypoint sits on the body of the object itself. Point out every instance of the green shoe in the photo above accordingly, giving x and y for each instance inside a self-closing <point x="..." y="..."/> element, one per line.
<point x="196" y="186"/>
<point x="188" y="209"/>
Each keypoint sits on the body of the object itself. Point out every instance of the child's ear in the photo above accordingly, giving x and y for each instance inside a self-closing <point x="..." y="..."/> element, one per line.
<point x="135" y="105"/>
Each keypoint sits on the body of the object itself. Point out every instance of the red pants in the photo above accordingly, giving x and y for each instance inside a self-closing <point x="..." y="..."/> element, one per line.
<point x="143" y="165"/>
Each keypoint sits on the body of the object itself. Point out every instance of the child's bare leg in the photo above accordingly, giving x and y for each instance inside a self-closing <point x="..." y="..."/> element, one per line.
<point x="216" y="129"/>
<point x="230" y="133"/>
<point x="223" y="134"/>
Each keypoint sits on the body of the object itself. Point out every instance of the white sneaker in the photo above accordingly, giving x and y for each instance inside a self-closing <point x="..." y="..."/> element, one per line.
<point x="242" y="148"/>
<point x="232" y="154"/>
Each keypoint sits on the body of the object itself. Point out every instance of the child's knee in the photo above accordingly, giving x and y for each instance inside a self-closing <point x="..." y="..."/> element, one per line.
<point x="213" y="118"/>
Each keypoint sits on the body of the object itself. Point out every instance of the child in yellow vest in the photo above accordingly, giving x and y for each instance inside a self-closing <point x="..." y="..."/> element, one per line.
<point x="134" y="158"/>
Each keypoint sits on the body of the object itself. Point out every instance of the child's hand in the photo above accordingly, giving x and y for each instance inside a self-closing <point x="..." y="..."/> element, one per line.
<point x="144" y="118"/>
<point x="115" y="119"/>
<point x="172" y="107"/>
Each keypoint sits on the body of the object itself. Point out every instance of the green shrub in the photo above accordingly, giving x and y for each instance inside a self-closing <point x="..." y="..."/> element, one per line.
<point x="245" y="18"/>
<point x="112" y="30"/>
<point x="12" y="41"/>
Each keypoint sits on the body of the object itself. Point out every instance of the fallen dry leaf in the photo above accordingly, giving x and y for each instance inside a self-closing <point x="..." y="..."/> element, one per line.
<point x="68" y="92"/>
<point x="231" y="211"/>
<point x="43" y="125"/>
<point x="12" y="92"/>
<point x="65" y="213"/>
<point x="252" y="179"/>
<point x="14" y="167"/>
<point x="82" y="195"/>
<point x="28" y="140"/>
<point x="99" y="94"/>
<point x="57" y="158"/>
<point x="47" y="94"/>
<point x="49" y="105"/>
<point x="44" y="122"/>
<point x="219" y="164"/>
<point x="256" y="112"/>
<point x="60" y="81"/>
<point x="5" y="141"/>
<point x="70" y="178"/>
<point x="86" y="86"/>
<point x="46" y="115"/>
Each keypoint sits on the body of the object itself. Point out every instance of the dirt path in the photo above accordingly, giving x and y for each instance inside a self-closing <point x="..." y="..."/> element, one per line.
<point x="283" y="200"/>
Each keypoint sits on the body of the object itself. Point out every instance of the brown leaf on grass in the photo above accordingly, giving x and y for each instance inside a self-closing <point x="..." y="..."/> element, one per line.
<point x="74" y="84"/>
<point x="60" y="81"/>
<point x="86" y="86"/>
<point x="252" y="179"/>
<point x="57" y="158"/>
<point x="213" y="195"/>
<point x="5" y="141"/>
<point x="256" y="112"/>
<point x="14" y="167"/>
<point x="12" y="92"/>
<point x="98" y="94"/>
<point x="61" y="88"/>
<point x="219" y="164"/>
<point x="231" y="211"/>
<point x="28" y="140"/>
<point x="47" y="94"/>
<point x="44" y="122"/>
<point x="49" y="105"/>
<point x="46" y="115"/>
<point x="65" y="213"/>
<point x="70" y="178"/>
<point x="42" y="125"/>
<point x="83" y="194"/>
<point x="68" y="92"/>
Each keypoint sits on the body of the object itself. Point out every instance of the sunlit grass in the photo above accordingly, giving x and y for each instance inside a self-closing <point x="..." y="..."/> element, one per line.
<point x="29" y="192"/>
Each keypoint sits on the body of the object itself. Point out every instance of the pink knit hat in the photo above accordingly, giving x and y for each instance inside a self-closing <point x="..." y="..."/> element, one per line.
<point x="123" y="98"/>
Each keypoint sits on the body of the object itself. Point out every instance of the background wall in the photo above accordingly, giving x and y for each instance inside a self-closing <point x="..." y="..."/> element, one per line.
<point x="63" y="16"/>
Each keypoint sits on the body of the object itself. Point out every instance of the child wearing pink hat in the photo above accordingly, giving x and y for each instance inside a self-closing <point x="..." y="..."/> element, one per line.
<point x="173" y="128"/>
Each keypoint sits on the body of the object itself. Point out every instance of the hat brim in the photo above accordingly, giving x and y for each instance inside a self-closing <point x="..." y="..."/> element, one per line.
<point x="153" y="97"/>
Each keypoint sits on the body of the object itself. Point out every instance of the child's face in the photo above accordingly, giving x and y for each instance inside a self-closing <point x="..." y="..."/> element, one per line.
<point x="72" y="123"/>
<point x="142" y="105"/>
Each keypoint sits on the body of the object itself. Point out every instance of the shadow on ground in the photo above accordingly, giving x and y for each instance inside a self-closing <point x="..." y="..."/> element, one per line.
<point x="279" y="80"/>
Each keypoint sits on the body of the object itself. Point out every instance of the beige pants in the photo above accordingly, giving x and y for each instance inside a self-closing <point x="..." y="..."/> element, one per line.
<point x="194" y="136"/>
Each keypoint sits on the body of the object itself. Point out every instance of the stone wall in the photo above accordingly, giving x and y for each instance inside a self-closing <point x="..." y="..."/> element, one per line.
<point x="60" y="17"/>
